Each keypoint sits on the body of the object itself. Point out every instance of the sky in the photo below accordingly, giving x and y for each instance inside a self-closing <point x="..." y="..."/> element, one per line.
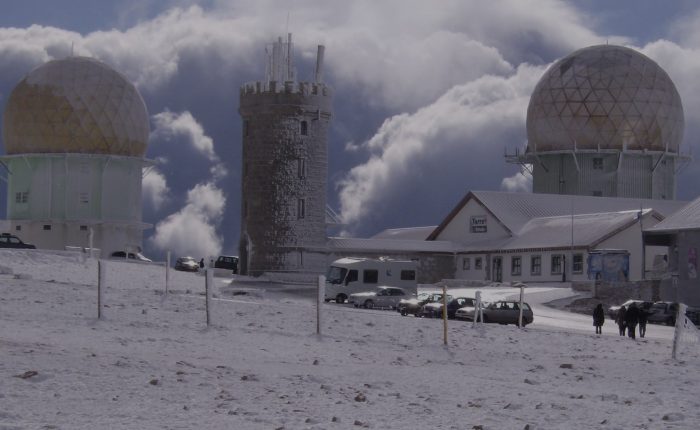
<point x="427" y="95"/>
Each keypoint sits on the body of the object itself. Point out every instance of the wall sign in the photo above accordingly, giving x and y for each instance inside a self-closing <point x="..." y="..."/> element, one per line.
<point x="477" y="224"/>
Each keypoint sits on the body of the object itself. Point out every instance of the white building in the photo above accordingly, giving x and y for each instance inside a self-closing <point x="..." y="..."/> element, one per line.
<point x="75" y="133"/>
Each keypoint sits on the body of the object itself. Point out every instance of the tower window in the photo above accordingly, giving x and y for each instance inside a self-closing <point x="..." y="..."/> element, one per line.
<point x="301" y="208"/>
<point x="598" y="163"/>
<point x="304" y="128"/>
<point x="301" y="167"/>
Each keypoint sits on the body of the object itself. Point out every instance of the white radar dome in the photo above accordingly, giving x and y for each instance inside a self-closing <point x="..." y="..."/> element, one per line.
<point x="605" y="97"/>
<point x="75" y="105"/>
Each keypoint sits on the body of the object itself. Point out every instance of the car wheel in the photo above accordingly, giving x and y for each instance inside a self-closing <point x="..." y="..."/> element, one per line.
<point x="340" y="298"/>
<point x="369" y="304"/>
<point x="671" y="321"/>
<point x="485" y="319"/>
<point x="403" y="312"/>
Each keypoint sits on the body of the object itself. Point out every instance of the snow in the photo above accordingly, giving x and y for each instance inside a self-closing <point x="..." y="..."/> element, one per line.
<point x="152" y="363"/>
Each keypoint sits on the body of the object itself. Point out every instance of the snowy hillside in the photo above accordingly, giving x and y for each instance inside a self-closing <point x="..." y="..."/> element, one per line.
<point x="152" y="363"/>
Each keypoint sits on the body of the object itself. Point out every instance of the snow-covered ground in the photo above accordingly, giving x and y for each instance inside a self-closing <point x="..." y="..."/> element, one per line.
<point x="151" y="362"/>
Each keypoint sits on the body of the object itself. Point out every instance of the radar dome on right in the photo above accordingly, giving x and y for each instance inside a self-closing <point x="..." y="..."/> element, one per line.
<point x="605" y="97"/>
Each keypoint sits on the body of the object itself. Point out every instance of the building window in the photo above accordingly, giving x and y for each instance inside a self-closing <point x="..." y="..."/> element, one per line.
<point x="83" y="197"/>
<point x="466" y="263"/>
<point x="578" y="264"/>
<point x="597" y="194"/>
<point x="477" y="263"/>
<point x="370" y="276"/>
<point x="515" y="266"/>
<point x="301" y="258"/>
<point x="408" y="275"/>
<point x="556" y="264"/>
<point x="47" y="226"/>
<point x="18" y="227"/>
<point x="301" y="208"/>
<point x="535" y="265"/>
<point x="598" y="163"/>
<point x="304" y="128"/>
<point x="301" y="168"/>
<point x="22" y="197"/>
<point x="83" y="228"/>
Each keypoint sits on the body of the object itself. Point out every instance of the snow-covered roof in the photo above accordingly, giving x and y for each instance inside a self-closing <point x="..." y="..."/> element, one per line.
<point x="588" y="230"/>
<point x="414" y="233"/>
<point x="389" y="245"/>
<point x="686" y="218"/>
<point x="514" y="210"/>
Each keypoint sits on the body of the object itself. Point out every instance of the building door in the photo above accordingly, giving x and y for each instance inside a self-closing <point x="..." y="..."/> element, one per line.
<point x="497" y="269"/>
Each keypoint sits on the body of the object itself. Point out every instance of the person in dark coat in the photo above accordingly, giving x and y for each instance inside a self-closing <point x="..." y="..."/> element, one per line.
<point x="632" y="318"/>
<point x="621" y="321"/>
<point x="643" y="314"/>
<point x="598" y="318"/>
<point x="201" y="263"/>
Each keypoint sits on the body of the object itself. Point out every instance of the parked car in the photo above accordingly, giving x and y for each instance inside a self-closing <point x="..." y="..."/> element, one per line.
<point x="229" y="262"/>
<point x="8" y="240"/>
<point x="693" y="315"/>
<point x="412" y="306"/>
<point x="187" y="264"/>
<point x="466" y="313"/>
<point x="663" y="313"/>
<point x="434" y="309"/>
<point x="382" y="297"/>
<point x="131" y="256"/>
<point x="641" y="304"/>
<point x="501" y="312"/>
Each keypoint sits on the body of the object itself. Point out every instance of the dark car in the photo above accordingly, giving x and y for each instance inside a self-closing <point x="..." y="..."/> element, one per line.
<point x="502" y="312"/>
<point x="641" y="304"/>
<point x="229" y="262"/>
<point x="413" y="306"/>
<point x="434" y="310"/>
<point x="663" y="313"/>
<point x="8" y="240"/>
<point x="186" y="264"/>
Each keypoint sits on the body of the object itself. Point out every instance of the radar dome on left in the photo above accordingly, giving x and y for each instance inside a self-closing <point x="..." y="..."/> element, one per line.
<point x="75" y="105"/>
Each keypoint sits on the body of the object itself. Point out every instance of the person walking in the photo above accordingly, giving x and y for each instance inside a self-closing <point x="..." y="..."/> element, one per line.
<point x="643" y="314"/>
<point x="621" y="321"/>
<point x="201" y="263"/>
<point x="632" y="318"/>
<point x="598" y="318"/>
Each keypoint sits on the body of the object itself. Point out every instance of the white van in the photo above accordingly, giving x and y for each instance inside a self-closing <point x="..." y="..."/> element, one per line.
<point x="355" y="275"/>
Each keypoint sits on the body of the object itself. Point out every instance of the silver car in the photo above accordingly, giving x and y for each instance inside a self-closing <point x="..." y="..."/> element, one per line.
<point x="382" y="297"/>
<point x="502" y="312"/>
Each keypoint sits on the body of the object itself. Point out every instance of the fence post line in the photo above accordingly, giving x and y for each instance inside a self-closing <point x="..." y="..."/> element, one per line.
<point x="319" y="301"/>
<point x="677" y="332"/>
<point x="208" y="284"/>
<point x="167" y="272"/>
<point x="477" y="309"/>
<point x="444" y="314"/>
<point x="100" y="286"/>
<point x="520" y="312"/>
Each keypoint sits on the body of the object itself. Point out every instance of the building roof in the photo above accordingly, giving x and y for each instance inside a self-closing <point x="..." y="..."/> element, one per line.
<point x="390" y="245"/>
<point x="686" y="218"/>
<point x="514" y="210"/>
<point x="588" y="229"/>
<point x="413" y="233"/>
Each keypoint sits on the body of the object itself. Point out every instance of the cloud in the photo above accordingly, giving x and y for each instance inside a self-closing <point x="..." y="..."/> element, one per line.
<point x="170" y="125"/>
<point x="419" y="160"/>
<point x="155" y="189"/>
<point x="519" y="182"/>
<point x="193" y="229"/>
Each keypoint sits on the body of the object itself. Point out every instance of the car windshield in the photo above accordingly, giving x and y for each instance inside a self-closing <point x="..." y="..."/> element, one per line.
<point x="423" y="296"/>
<point x="336" y="275"/>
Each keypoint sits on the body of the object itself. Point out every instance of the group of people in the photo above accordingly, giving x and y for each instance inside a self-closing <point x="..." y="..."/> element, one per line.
<point x="627" y="320"/>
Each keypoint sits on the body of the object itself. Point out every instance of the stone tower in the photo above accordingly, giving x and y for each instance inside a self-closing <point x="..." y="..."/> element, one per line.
<point x="285" y="167"/>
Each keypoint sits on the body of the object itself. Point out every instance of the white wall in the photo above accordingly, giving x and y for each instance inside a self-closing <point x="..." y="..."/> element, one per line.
<point x="458" y="230"/>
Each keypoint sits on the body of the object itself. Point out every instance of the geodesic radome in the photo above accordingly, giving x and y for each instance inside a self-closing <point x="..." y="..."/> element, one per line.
<point x="75" y="105"/>
<point x="606" y="97"/>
